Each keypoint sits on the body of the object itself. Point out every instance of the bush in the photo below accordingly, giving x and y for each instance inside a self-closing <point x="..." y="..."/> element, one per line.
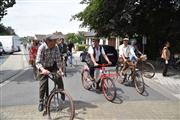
<point x="81" y="47"/>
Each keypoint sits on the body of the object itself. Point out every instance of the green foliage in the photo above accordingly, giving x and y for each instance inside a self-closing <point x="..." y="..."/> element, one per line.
<point x="6" y="30"/>
<point x="157" y="19"/>
<point x="4" y="4"/>
<point x="75" y="38"/>
<point x="81" y="47"/>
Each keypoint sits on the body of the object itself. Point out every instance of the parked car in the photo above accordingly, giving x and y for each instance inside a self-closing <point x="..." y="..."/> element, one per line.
<point x="83" y="55"/>
<point x="1" y="48"/>
<point x="110" y="52"/>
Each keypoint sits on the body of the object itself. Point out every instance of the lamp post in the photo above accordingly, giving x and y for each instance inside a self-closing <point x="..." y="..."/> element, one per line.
<point x="144" y="42"/>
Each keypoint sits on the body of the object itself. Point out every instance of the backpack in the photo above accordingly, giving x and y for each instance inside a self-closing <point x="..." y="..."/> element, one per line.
<point x="88" y="57"/>
<point x="111" y="53"/>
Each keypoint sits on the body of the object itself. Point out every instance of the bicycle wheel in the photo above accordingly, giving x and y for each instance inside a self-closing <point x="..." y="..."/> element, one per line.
<point x="139" y="82"/>
<point x="85" y="79"/>
<point x="57" y="108"/>
<point x="120" y="78"/>
<point x="109" y="89"/>
<point x="147" y="69"/>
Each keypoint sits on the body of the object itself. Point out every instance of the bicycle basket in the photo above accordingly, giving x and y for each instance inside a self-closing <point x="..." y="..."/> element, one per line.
<point x="143" y="57"/>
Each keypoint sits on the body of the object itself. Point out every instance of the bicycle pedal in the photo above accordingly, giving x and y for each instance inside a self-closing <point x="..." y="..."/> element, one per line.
<point x="45" y="113"/>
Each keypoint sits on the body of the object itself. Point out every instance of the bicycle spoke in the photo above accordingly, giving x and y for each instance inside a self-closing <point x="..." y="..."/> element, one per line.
<point x="109" y="89"/>
<point x="86" y="80"/>
<point x="60" y="108"/>
<point x="139" y="83"/>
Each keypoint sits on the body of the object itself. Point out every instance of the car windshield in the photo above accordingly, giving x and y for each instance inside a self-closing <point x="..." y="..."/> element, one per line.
<point x="0" y="44"/>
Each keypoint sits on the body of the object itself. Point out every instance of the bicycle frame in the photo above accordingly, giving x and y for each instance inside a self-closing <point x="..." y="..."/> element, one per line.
<point x="104" y="74"/>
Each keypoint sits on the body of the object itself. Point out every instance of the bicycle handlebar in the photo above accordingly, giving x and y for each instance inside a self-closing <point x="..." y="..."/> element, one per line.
<point x="102" y="65"/>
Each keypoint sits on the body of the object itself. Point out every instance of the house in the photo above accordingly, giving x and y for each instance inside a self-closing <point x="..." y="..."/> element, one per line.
<point x="112" y="41"/>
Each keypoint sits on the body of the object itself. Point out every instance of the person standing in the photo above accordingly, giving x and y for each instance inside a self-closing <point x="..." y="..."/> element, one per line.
<point x="165" y="56"/>
<point x="48" y="60"/>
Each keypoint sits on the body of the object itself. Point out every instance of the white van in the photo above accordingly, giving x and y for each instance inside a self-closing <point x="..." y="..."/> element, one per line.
<point x="10" y="43"/>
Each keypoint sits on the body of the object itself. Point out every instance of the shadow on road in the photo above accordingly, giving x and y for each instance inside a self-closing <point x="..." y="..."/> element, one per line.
<point x="81" y="109"/>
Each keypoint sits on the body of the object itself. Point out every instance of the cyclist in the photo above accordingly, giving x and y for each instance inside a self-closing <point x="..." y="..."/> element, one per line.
<point x="32" y="54"/>
<point x="71" y="47"/>
<point x="48" y="60"/>
<point x="33" y="51"/>
<point x="63" y="48"/>
<point x="96" y="52"/>
<point x="126" y="52"/>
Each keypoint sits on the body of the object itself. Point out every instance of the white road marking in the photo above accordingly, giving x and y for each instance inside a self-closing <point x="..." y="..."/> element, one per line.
<point x="12" y="78"/>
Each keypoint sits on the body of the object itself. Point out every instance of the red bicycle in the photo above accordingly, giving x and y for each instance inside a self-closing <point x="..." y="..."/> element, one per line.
<point x="107" y="84"/>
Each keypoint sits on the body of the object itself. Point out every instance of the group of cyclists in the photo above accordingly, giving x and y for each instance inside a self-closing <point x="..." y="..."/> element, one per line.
<point x="127" y="56"/>
<point x="46" y="58"/>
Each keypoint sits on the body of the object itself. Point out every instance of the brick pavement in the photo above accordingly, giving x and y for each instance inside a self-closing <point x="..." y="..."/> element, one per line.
<point x="128" y="110"/>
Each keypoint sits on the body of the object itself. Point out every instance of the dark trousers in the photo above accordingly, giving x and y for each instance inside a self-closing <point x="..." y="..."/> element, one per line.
<point x="43" y="83"/>
<point x="91" y="70"/>
<point x="165" y="68"/>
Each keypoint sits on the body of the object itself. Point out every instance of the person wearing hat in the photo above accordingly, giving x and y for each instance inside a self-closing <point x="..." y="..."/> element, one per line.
<point x="125" y="52"/>
<point x="48" y="60"/>
<point x="63" y="48"/>
<point x="96" y="51"/>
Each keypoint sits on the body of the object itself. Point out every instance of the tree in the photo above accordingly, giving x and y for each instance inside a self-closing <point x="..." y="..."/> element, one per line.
<point x="72" y="37"/>
<point x="156" y="19"/>
<point x="6" y="30"/>
<point x="75" y="38"/>
<point x="4" y="4"/>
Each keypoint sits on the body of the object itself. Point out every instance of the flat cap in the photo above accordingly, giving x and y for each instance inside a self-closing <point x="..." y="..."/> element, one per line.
<point x="126" y="39"/>
<point x="52" y="37"/>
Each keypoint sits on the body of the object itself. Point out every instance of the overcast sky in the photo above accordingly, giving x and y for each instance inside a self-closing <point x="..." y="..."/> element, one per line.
<point x="30" y="17"/>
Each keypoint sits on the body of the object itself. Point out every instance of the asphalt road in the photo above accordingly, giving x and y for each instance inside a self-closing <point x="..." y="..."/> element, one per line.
<point x="23" y="90"/>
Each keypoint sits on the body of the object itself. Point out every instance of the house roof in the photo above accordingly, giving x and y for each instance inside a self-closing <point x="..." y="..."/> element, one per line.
<point x="40" y="36"/>
<point x="89" y="34"/>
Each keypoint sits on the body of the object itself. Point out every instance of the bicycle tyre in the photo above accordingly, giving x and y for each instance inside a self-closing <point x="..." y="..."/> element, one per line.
<point x="139" y="82"/>
<point x="109" y="91"/>
<point x="85" y="79"/>
<point x="120" y="79"/>
<point x="147" y="69"/>
<point x="57" y="108"/>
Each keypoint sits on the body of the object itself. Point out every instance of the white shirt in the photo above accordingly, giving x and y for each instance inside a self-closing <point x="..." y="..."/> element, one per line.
<point x="97" y="52"/>
<point x="127" y="51"/>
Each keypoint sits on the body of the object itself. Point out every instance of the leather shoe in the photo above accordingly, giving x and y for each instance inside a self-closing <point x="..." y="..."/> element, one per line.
<point x="40" y="107"/>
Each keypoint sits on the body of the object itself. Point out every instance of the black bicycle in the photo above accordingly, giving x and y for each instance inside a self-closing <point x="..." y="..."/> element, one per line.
<point x="59" y="104"/>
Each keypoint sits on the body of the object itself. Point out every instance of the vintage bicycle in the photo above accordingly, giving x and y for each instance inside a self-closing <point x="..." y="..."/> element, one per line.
<point x="132" y="74"/>
<point x="56" y="106"/>
<point x="107" y="84"/>
<point x="148" y="69"/>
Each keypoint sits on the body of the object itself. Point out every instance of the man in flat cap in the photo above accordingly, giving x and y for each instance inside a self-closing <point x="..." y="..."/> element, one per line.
<point x="48" y="60"/>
